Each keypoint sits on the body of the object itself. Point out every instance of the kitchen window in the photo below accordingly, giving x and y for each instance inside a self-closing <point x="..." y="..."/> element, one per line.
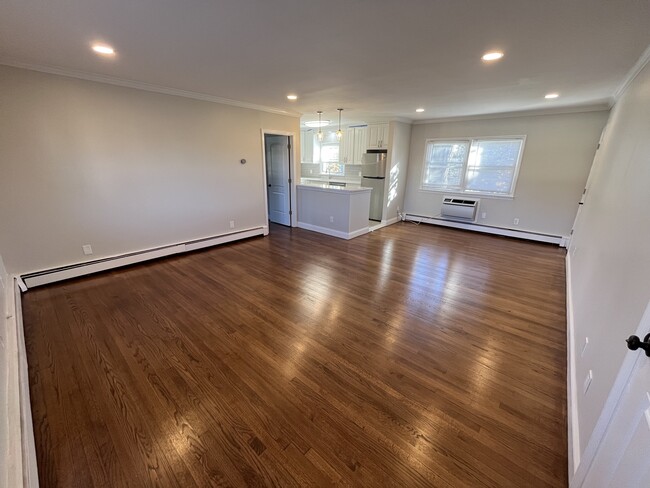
<point x="487" y="166"/>
<point x="327" y="154"/>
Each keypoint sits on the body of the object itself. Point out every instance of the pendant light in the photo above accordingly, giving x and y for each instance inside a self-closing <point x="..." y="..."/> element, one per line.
<point x="320" y="129"/>
<point x="339" y="133"/>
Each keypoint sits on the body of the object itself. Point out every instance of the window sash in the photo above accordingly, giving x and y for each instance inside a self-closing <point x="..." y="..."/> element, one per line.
<point x="470" y="171"/>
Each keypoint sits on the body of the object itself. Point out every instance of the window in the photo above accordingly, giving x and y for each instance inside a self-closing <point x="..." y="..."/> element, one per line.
<point x="480" y="166"/>
<point x="327" y="154"/>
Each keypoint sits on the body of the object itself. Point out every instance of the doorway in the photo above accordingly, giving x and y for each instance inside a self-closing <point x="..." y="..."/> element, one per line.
<point x="277" y="153"/>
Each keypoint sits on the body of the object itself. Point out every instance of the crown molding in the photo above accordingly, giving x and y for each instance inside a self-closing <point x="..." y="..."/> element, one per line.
<point x="573" y="109"/>
<point x="629" y="77"/>
<point x="138" y="85"/>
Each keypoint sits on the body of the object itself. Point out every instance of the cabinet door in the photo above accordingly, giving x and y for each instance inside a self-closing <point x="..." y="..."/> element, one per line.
<point x="382" y="135"/>
<point x="347" y="146"/>
<point x="360" y="144"/>
<point x="307" y="146"/>
<point x="373" y="136"/>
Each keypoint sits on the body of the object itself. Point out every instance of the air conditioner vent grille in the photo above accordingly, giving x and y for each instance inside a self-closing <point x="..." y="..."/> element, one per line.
<point x="463" y="209"/>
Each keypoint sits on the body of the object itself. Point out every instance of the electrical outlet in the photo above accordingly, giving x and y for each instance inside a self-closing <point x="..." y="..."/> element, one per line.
<point x="516" y="221"/>
<point x="232" y="224"/>
<point x="331" y="219"/>
<point x="590" y="376"/>
<point x="87" y="249"/>
<point x="484" y="215"/>
<point x="584" y="347"/>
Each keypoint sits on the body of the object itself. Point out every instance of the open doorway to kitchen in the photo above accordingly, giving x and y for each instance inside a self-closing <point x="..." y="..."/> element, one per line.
<point x="277" y="159"/>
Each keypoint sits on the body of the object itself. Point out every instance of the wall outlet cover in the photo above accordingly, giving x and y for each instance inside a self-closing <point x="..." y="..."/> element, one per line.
<point x="87" y="249"/>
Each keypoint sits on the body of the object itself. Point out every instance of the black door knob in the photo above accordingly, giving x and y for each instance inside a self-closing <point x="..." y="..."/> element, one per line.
<point x="634" y="343"/>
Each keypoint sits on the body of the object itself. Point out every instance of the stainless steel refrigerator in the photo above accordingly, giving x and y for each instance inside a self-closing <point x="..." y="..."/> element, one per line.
<point x="373" y="175"/>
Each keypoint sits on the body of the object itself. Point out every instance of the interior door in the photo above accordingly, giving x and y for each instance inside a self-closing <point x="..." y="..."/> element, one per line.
<point x="623" y="458"/>
<point x="278" y="178"/>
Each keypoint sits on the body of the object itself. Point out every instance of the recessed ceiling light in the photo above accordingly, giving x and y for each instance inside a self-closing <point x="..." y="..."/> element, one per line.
<point x="103" y="49"/>
<point x="551" y="95"/>
<point x="292" y="97"/>
<point x="492" y="56"/>
<point x="316" y="123"/>
<point x="419" y="110"/>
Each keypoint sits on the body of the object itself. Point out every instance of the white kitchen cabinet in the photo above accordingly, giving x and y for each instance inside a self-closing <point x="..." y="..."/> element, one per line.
<point x="347" y="146"/>
<point x="353" y="145"/>
<point x="307" y="146"/>
<point x="377" y="136"/>
<point x="360" y="144"/>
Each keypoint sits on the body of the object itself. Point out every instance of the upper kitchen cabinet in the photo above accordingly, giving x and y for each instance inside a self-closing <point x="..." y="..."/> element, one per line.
<point x="377" y="136"/>
<point x="353" y="145"/>
<point x="307" y="146"/>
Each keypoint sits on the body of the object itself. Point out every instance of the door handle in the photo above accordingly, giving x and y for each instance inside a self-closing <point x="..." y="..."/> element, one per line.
<point x="634" y="343"/>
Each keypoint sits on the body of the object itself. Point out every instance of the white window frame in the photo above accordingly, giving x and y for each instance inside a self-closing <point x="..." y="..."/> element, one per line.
<point x="462" y="190"/>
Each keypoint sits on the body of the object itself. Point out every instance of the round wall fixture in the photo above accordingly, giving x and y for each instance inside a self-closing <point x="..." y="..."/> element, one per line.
<point x="242" y="161"/>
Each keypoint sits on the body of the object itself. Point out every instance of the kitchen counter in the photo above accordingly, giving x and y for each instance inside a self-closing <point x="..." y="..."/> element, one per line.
<point x="331" y="179"/>
<point x="339" y="211"/>
<point x="349" y="187"/>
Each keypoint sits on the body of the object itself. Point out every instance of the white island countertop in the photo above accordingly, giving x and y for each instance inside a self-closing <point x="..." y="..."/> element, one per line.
<point x="348" y="188"/>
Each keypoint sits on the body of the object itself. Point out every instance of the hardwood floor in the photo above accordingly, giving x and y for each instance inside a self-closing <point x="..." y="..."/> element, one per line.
<point x="411" y="356"/>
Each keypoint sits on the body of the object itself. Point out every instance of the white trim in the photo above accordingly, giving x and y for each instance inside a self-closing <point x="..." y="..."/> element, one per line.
<point x="139" y="85"/>
<point x="81" y="269"/>
<point x="519" y="234"/>
<point x="575" y="109"/>
<point x="28" y="444"/>
<point x="384" y="223"/>
<point x="634" y="71"/>
<point x="20" y="469"/>
<point x="573" y="428"/>
<point x="332" y="232"/>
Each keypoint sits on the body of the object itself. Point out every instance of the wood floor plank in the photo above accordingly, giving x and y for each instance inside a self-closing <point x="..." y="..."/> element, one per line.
<point x="411" y="356"/>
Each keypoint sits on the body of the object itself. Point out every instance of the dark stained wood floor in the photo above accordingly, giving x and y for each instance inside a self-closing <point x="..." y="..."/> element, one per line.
<point x="412" y="356"/>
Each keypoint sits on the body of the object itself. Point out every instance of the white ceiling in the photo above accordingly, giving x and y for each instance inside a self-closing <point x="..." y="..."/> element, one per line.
<point x="381" y="58"/>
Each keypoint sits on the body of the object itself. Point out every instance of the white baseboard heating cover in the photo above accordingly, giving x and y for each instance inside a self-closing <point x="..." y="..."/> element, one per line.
<point x="464" y="209"/>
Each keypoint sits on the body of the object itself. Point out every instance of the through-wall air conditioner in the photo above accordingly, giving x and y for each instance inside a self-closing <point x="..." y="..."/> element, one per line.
<point x="462" y="209"/>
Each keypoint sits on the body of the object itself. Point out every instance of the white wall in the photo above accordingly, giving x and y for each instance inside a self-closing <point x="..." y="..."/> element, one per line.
<point x="397" y="168"/>
<point x="558" y="154"/>
<point x="609" y="253"/>
<point x="121" y="169"/>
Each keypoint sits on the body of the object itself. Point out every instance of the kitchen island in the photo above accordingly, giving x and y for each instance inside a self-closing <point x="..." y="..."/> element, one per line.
<point x="335" y="210"/>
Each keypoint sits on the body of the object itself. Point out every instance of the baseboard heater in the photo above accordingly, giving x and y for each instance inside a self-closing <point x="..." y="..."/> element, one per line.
<point x="487" y="229"/>
<point x="80" y="269"/>
<point x="460" y="209"/>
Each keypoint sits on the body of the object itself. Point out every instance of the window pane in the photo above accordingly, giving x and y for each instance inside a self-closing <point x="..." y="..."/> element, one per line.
<point x="443" y="176"/>
<point x="489" y="180"/>
<point x="445" y="163"/>
<point x="333" y="169"/>
<point x="329" y="153"/>
<point x="495" y="153"/>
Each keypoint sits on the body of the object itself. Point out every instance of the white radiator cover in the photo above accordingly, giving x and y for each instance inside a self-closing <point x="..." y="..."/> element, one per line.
<point x="458" y="208"/>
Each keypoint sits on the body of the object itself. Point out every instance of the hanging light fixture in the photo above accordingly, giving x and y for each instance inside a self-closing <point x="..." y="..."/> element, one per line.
<point x="339" y="133"/>
<point x="320" y="130"/>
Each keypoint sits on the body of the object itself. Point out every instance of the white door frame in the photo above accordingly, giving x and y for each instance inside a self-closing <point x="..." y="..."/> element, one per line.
<point x="293" y="171"/>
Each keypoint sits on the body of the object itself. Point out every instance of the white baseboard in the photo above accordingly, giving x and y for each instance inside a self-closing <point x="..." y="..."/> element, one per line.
<point x="333" y="232"/>
<point x="384" y="223"/>
<point x="80" y="269"/>
<point x="519" y="234"/>
<point x="573" y="432"/>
